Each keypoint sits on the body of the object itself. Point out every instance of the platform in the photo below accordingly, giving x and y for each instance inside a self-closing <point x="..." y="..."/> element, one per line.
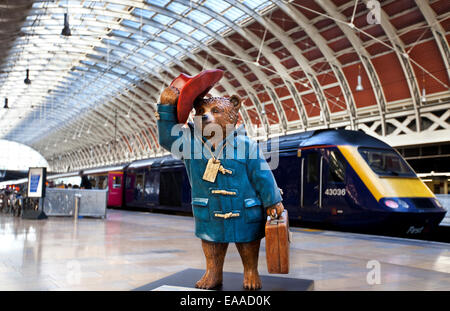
<point x="128" y="250"/>
<point x="232" y="281"/>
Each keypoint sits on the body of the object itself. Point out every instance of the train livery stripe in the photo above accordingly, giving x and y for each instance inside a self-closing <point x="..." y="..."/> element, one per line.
<point x="384" y="187"/>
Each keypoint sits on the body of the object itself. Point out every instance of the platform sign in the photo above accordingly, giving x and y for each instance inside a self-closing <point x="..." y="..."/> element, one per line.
<point x="36" y="182"/>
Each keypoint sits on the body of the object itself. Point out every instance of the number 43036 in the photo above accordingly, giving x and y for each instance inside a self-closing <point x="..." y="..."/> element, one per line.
<point x="335" y="191"/>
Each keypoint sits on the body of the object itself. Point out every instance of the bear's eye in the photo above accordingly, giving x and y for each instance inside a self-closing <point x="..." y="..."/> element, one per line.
<point x="199" y="111"/>
<point x="215" y="110"/>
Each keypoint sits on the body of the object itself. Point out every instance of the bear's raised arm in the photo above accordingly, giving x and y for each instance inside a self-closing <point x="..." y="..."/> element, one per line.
<point x="167" y="117"/>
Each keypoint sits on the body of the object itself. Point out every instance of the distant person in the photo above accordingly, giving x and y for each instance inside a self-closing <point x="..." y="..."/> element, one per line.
<point x="69" y="186"/>
<point x="85" y="183"/>
<point x="105" y="183"/>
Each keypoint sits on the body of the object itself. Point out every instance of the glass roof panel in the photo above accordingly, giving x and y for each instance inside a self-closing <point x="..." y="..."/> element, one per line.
<point x="161" y="3"/>
<point x="111" y="42"/>
<point x="199" y="17"/>
<point x="119" y="53"/>
<point x="183" y="27"/>
<point x="119" y="71"/>
<point x="136" y="59"/>
<point x="171" y="51"/>
<point x="161" y="59"/>
<point x="132" y="24"/>
<point x="177" y="7"/>
<point x="185" y="44"/>
<point x="163" y="19"/>
<point x="263" y="5"/>
<point x="144" y="13"/>
<point x="217" y="6"/>
<point x="87" y="62"/>
<point x="252" y="4"/>
<point x="139" y="39"/>
<point x="146" y="52"/>
<point x="120" y="33"/>
<point x="169" y="36"/>
<point x="116" y="7"/>
<point x="150" y="29"/>
<point x="199" y="35"/>
<point x="215" y="25"/>
<point x="105" y="18"/>
<point x="158" y="45"/>
<point x="128" y="46"/>
<point x="233" y="14"/>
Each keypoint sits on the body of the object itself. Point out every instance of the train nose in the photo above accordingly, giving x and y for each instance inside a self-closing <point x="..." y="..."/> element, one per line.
<point x="411" y="203"/>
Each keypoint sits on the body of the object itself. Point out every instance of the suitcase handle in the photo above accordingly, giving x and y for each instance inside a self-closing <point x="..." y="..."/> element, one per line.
<point x="272" y="219"/>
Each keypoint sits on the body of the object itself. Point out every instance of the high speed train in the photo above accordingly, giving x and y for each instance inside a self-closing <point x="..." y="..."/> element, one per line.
<point x="342" y="178"/>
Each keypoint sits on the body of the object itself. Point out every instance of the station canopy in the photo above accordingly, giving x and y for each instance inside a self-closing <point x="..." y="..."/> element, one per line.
<point x="88" y="99"/>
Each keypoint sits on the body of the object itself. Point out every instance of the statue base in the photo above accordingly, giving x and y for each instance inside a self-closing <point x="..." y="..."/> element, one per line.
<point x="185" y="281"/>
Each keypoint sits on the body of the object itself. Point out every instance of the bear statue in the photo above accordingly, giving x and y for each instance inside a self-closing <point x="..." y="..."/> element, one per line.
<point x="232" y="185"/>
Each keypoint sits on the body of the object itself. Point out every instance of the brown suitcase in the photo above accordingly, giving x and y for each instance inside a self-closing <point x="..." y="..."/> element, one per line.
<point x="277" y="244"/>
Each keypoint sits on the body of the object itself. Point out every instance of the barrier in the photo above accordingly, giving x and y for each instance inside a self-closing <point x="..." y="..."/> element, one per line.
<point x="445" y="201"/>
<point x="62" y="202"/>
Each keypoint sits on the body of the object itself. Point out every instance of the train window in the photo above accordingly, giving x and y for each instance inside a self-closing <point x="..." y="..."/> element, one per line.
<point x="170" y="188"/>
<point x="336" y="171"/>
<point x="386" y="162"/>
<point x="312" y="167"/>
<point x="117" y="182"/>
<point x="140" y="181"/>
<point x="103" y="182"/>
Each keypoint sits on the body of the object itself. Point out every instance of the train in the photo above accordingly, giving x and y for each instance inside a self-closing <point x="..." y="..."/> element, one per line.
<point x="339" y="178"/>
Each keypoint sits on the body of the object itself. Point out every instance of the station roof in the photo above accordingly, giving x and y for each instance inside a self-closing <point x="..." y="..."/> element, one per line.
<point x="379" y="66"/>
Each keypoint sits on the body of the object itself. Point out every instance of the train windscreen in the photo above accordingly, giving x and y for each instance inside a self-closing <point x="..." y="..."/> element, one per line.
<point x="385" y="162"/>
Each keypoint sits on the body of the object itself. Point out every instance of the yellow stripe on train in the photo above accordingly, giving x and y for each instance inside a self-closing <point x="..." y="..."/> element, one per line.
<point x="384" y="187"/>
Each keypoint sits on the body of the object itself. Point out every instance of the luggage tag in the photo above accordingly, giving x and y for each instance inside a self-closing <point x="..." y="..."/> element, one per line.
<point x="211" y="170"/>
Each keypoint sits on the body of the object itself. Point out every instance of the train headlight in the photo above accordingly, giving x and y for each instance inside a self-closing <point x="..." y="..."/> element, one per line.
<point x="391" y="203"/>
<point x="403" y="204"/>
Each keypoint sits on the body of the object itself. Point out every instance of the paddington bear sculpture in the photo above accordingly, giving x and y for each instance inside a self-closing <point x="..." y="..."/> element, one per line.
<point x="232" y="184"/>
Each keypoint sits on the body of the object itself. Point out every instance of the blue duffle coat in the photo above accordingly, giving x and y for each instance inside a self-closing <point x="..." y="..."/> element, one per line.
<point x="232" y="208"/>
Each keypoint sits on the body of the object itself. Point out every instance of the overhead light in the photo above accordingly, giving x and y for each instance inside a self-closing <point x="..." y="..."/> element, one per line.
<point x="66" y="30"/>
<point x="359" y="86"/>
<point x="424" y="93"/>
<point x="6" y="104"/>
<point x="27" y="80"/>
<point x="424" y="98"/>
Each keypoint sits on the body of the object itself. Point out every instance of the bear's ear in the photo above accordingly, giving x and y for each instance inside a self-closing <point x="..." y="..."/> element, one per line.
<point x="236" y="101"/>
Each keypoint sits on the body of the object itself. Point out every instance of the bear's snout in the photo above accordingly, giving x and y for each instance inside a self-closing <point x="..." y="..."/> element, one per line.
<point x="205" y="118"/>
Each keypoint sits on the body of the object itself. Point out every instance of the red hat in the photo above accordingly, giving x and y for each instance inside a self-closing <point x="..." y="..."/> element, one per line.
<point x="192" y="88"/>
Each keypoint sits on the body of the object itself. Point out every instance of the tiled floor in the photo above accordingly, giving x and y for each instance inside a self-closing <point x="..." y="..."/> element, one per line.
<point x="130" y="249"/>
